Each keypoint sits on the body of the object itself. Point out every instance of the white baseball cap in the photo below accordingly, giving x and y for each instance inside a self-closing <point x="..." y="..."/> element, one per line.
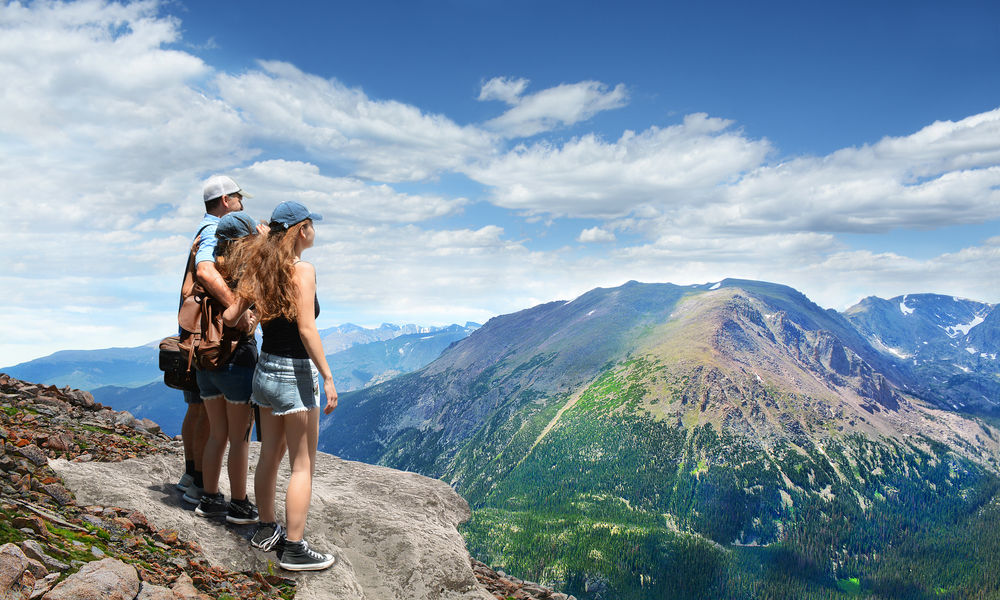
<point x="218" y="186"/>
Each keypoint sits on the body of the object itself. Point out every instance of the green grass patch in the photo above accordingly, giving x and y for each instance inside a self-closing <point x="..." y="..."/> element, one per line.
<point x="851" y="585"/>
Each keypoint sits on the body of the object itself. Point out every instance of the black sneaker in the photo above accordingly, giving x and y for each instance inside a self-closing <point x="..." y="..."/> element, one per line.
<point x="298" y="556"/>
<point x="211" y="505"/>
<point x="268" y="536"/>
<point x="242" y="512"/>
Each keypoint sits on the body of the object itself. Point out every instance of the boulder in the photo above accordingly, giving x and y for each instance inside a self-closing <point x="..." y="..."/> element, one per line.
<point x="16" y="580"/>
<point x="108" y="579"/>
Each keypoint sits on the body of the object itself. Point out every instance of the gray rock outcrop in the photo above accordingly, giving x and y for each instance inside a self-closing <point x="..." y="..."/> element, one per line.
<point x="393" y="533"/>
<point x="107" y="578"/>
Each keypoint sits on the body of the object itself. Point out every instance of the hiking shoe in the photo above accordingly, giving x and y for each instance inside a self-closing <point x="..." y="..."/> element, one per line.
<point x="211" y="505"/>
<point x="186" y="480"/>
<point x="242" y="512"/>
<point x="267" y="536"/>
<point x="193" y="494"/>
<point x="298" y="556"/>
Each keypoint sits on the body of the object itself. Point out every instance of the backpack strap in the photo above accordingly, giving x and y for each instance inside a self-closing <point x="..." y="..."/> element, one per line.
<point x="187" y="284"/>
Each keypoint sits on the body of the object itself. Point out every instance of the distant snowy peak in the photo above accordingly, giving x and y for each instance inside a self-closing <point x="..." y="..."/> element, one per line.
<point x="342" y="337"/>
<point x="953" y="314"/>
<point x="949" y="343"/>
<point x="914" y="324"/>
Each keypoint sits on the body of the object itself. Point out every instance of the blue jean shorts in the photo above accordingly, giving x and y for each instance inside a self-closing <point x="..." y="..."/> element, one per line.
<point x="232" y="381"/>
<point x="285" y="385"/>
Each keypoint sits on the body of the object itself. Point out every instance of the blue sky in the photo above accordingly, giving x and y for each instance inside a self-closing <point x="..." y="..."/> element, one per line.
<point x="475" y="158"/>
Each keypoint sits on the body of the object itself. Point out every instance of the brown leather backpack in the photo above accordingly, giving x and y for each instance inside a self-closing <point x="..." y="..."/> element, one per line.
<point x="208" y="343"/>
<point x="173" y="363"/>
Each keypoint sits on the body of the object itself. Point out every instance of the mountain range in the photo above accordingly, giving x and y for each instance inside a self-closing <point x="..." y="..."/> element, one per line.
<point x="130" y="378"/>
<point x="723" y="440"/>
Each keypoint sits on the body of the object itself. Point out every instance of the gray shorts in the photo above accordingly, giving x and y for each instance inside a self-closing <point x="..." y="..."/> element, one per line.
<point x="285" y="385"/>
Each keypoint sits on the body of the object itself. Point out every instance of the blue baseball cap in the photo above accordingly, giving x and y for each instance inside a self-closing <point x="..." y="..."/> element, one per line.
<point x="289" y="213"/>
<point x="235" y="225"/>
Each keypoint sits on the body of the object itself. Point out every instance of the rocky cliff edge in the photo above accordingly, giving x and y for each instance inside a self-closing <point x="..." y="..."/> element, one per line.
<point x="88" y="493"/>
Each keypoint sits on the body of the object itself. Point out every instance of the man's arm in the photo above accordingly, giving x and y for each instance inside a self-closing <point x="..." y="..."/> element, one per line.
<point x="214" y="284"/>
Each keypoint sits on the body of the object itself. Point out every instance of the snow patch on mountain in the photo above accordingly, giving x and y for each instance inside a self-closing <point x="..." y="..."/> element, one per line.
<point x="879" y="344"/>
<point x="898" y="353"/>
<point x="903" y="308"/>
<point x="960" y="330"/>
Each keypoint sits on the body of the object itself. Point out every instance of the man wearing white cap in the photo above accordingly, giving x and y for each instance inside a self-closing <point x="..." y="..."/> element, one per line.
<point x="222" y="196"/>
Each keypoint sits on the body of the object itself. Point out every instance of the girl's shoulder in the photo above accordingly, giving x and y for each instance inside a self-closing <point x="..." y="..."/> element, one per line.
<point x="302" y="268"/>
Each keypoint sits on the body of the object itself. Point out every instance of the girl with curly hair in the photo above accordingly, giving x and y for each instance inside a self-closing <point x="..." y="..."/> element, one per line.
<point x="282" y="288"/>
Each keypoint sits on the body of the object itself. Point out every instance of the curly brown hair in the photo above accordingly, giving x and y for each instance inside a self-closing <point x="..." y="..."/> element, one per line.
<point x="267" y="278"/>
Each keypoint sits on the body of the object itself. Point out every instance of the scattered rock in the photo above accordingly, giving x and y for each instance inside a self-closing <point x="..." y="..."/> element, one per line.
<point x="44" y="585"/>
<point x="32" y="523"/>
<point x="183" y="589"/>
<point x="59" y="494"/>
<point x="32" y="495"/>
<point x="503" y="586"/>
<point x="33" y="453"/>
<point x="155" y="592"/>
<point x="34" y="550"/>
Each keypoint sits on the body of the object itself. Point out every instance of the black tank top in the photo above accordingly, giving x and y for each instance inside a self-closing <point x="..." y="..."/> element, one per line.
<point x="281" y="337"/>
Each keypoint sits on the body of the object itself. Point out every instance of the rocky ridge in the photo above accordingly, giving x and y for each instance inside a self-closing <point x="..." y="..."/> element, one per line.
<point x="59" y="543"/>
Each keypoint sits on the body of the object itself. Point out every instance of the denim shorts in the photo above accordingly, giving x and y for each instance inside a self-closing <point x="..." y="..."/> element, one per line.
<point x="285" y="385"/>
<point x="232" y="381"/>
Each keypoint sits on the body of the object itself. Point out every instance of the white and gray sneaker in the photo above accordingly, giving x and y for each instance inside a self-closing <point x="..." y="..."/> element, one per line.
<point x="268" y="536"/>
<point x="193" y="494"/>
<point x="298" y="556"/>
<point x="185" y="482"/>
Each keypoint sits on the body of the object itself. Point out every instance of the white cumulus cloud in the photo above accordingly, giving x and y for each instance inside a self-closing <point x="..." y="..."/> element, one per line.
<point x="505" y="89"/>
<point x="550" y="108"/>
<point x="945" y="174"/>
<point x="595" y="234"/>
<point x="683" y="164"/>
<point x="381" y="139"/>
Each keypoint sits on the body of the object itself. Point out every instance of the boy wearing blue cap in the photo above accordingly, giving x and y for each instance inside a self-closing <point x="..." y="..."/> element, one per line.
<point x="222" y="195"/>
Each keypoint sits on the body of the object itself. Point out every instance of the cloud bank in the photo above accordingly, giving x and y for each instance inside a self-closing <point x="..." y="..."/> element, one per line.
<point x="108" y="127"/>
